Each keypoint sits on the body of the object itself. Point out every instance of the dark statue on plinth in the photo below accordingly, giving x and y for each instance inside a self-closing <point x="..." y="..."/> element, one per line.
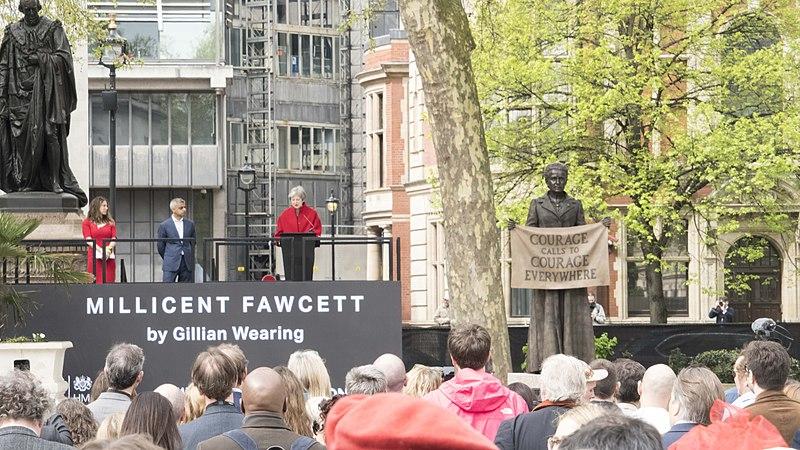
<point x="560" y="319"/>
<point x="37" y="96"/>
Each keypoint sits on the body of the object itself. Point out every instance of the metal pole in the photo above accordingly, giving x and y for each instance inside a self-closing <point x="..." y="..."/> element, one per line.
<point x="247" y="232"/>
<point x="333" y="247"/>
<point x="112" y="143"/>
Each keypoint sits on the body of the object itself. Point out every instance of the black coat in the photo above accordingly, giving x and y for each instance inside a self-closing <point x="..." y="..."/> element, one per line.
<point x="543" y="214"/>
<point x="529" y="431"/>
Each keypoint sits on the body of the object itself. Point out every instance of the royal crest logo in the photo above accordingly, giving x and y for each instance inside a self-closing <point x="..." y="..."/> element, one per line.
<point x="82" y="383"/>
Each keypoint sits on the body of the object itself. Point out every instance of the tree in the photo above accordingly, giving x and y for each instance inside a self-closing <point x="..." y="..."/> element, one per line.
<point x="682" y="110"/>
<point x="440" y="37"/>
<point x="79" y="21"/>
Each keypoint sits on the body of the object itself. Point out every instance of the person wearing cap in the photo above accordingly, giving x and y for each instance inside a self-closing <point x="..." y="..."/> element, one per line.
<point x="592" y="377"/>
<point x="474" y="394"/>
<point x="655" y="390"/>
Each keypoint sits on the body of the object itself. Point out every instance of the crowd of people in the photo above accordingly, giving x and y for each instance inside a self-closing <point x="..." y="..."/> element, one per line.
<point x="602" y="405"/>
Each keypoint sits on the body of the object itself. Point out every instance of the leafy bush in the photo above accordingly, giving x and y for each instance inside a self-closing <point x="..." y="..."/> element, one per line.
<point x="604" y="346"/>
<point x="720" y="362"/>
<point x="677" y="360"/>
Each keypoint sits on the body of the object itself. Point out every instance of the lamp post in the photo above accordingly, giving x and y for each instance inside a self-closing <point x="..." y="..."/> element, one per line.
<point x="114" y="54"/>
<point x="247" y="182"/>
<point x="332" y="204"/>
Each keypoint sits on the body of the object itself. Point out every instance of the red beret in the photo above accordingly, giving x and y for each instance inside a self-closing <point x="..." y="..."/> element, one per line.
<point x="396" y="421"/>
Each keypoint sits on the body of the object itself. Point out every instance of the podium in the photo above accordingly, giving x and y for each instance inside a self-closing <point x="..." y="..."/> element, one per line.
<point x="298" y="253"/>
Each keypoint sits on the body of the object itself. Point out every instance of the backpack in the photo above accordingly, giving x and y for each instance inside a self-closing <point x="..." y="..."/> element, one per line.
<point x="247" y="443"/>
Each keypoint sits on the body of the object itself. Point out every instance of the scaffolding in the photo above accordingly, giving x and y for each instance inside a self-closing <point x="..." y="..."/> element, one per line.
<point x="258" y="68"/>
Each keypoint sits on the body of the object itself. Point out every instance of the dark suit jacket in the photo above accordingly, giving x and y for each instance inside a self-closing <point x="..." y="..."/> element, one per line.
<point x="726" y="317"/>
<point x="529" y="431"/>
<point x="543" y="214"/>
<point x="266" y="428"/>
<point x="170" y="250"/>
<point x="21" y="438"/>
<point x="676" y="432"/>
<point x="217" y="419"/>
<point x="780" y="410"/>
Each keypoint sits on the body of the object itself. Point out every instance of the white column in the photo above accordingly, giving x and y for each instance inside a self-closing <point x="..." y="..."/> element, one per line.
<point x="387" y="233"/>
<point x="374" y="259"/>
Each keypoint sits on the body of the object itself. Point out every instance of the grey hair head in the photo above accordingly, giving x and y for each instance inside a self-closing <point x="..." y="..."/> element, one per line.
<point x="175" y="202"/>
<point x="366" y="380"/>
<point x="556" y="166"/>
<point x="22" y="396"/>
<point x="563" y="378"/>
<point x="124" y="362"/>
<point x="297" y="191"/>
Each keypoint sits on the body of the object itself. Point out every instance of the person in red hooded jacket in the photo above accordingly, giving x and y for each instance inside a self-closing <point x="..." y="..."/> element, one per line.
<point x="474" y="394"/>
<point x="298" y="218"/>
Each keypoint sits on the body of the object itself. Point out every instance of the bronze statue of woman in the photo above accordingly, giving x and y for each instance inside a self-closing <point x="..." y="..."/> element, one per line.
<point x="560" y="319"/>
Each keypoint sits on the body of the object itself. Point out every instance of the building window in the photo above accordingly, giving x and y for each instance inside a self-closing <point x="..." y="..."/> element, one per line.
<point x="309" y="148"/>
<point x="157" y="119"/>
<point x="437" y="277"/>
<point x="376" y="162"/>
<point x="521" y="302"/>
<point x="674" y="277"/>
<point x="167" y="29"/>
<point x="309" y="13"/>
<point x="306" y="55"/>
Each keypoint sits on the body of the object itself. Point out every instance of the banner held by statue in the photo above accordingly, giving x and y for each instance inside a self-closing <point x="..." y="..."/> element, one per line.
<point x="559" y="258"/>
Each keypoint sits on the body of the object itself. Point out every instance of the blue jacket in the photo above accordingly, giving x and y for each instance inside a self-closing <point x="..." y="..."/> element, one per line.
<point x="171" y="249"/>
<point x="217" y="419"/>
<point x="676" y="432"/>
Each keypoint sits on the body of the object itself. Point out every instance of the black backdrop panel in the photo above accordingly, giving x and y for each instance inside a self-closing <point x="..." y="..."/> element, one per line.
<point x="349" y="323"/>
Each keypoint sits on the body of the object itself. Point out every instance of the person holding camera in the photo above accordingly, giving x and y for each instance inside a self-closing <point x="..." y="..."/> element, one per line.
<point x="596" y="310"/>
<point x="723" y="313"/>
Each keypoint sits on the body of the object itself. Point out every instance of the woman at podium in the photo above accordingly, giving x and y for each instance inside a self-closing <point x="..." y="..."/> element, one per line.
<point x="294" y="222"/>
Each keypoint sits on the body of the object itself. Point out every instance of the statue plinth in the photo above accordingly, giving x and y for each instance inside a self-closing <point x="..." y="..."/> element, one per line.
<point x="60" y="216"/>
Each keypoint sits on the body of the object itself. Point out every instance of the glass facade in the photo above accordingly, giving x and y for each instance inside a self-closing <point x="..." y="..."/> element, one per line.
<point x="307" y="55"/>
<point x="157" y="119"/>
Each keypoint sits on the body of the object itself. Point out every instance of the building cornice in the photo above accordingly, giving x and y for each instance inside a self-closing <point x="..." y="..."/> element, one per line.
<point x="163" y="76"/>
<point x="392" y="69"/>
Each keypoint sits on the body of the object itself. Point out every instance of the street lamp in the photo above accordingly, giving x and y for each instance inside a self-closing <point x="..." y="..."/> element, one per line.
<point x="332" y="204"/>
<point x="247" y="182"/>
<point x="114" y="54"/>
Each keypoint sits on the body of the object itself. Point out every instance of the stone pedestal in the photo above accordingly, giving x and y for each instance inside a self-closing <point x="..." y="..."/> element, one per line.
<point x="60" y="216"/>
<point x="43" y="359"/>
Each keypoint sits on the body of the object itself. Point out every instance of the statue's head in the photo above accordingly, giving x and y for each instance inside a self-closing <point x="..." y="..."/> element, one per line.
<point x="30" y="8"/>
<point x="555" y="175"/>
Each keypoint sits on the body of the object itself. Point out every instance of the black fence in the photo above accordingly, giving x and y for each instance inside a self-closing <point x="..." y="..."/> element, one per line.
<point x="208" y="253"/>
<point x="648" y="344"/>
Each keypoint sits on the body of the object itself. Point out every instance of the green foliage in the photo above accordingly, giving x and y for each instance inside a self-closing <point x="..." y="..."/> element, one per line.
<point x="35" y="337"/>
<point x="604" y="346"/>
<point x="677" y="360"/>
<point x="678" y="112"/>
<point x="14" y="304"/>
<point x="718" y="361"/>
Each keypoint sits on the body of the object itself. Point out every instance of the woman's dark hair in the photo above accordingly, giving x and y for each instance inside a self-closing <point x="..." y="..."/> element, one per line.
<point x="525" y="392"/>
<point x="94" y="211"/>
<point x="99" y="385"/>
<point x="79" y="419"/>
<point x="151" y="414"/>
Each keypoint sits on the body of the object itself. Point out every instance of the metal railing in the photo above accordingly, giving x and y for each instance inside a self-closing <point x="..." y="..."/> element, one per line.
<point x="19" y="270"/>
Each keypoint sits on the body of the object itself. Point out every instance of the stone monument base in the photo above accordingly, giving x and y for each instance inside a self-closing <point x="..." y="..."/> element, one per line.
<point x="60" y="216"/>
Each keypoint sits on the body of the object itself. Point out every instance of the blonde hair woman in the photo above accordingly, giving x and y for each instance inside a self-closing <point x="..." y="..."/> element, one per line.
<point x="295" y="414"/>
<point x="310" y="369"/>
<point x="195" y="404"/>
<point x="110" y="426"/>
<point x="421" y="380"/>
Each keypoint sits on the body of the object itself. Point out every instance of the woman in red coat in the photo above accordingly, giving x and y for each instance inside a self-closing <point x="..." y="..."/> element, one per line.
<point x="298" y="218"/>
<point x="100" y="230"/>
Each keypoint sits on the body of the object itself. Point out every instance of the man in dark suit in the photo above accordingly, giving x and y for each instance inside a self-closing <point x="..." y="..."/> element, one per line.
<point x="264" y="397"/>
<point x="215" y="374"/>
<point x="23" y="402"/>
<point x="722" y="313"/>
<point x="177" y="246"/>
<point x="693" y="393"/>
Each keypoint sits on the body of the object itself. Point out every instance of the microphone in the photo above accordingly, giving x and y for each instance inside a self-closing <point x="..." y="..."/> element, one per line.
<point x="763" y="326"/>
